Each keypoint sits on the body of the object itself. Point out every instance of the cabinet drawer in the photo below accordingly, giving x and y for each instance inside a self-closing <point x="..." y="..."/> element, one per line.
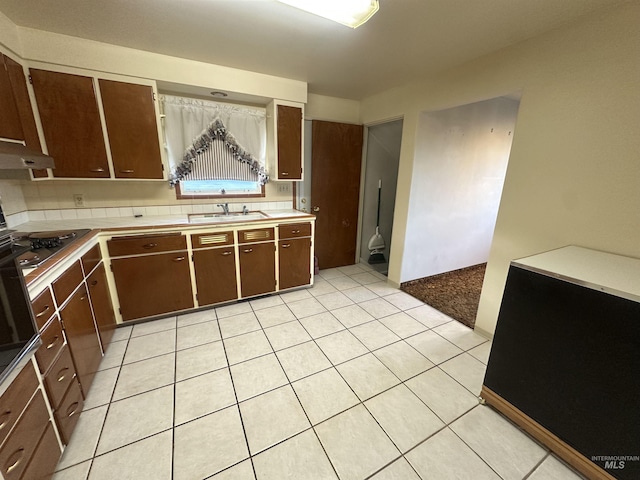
<point x="20" y="445"/>
<point x="68" y="413"/>
<point x="15" y="398"/>
<point x="91" y="259"/>
<point x="44" y="460"/>
<point x="43" y="307"/>
<point x="255" y="235"/>
<point x="59" y="377"/>
<point x="294" y="230"/>
<point x="141" y="244"/>
<point x="213" y="239"/>
<point x="66" y="283"/>
<point x="52" y="342"/>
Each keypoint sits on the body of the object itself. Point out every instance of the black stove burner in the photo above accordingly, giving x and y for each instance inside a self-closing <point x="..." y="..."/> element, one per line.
<point x="44" y="245"/>
<point x="53" y="242"/>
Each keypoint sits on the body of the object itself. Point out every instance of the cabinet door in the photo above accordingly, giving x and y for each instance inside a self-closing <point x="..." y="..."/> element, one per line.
<point x="294" y="263"/>
<point x="215" y="275"/>
<point x="289" y="143"/>
<point x="130" y="116"/>
<point x="44" y="460"/>
<point x="71" y="124"/>
<point x="10" y="125"/>
<point x="82" y="337"/>
<point x="102" y="305"/>
<point x="257" y="268"/>
<point x="152" y="284"/>
<point x="25" y="109"/>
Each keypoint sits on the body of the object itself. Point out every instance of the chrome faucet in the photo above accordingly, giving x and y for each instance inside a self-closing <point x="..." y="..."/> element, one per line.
<point x="225" y="208"/>
<point x="245" y="210"/>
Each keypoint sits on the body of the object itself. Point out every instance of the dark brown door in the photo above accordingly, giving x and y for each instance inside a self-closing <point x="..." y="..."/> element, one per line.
<point x="102" y="306"/>
<point x="289" y="142"/>
<point x="215" y="275"/>
<point x="71" y="123"/>
<point x="82" y="337"/>
<point x="130" y="115"/>
<point x="294" y="262"/>
<point x="25" y="109"/>
<point x="10" y="125"/>
<point x="336" y="157"/>
<point x="152" y="284"/>
<point x="257" y="268"/>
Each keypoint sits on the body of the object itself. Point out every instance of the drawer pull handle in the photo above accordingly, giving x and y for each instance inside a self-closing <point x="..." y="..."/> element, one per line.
<point x="248" y="250"/>
<point x="14" y="460"/>
<point x="44" y="310"/>
<point x="94" y="283"/>
<point x="150" y="245"/>
<point x="62" y="374"/>
<point x="83" y="298"/>
<point x="284" y="174"/>
<point x="53" y="342"/>
<point x="73" y="409"/>
<point x="5" y="418"/>
<point x="286" y="245"/>
<point x="97" y="170"/>
<point x="178" y="259"/>
<point x="295" y="232"/>
<point x="226" y="254"/>
<point x="126" y="171"/>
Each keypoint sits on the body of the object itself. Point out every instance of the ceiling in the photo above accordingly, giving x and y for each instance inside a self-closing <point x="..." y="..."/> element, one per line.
<point x="405" y="41"/>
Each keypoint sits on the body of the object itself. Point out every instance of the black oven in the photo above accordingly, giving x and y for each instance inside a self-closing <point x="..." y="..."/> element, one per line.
<point x="17" y="327"/>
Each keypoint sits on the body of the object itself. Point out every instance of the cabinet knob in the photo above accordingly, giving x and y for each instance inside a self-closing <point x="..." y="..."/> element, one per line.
<point x="44" y="310"/>
<point x="315" y="209"/>
<point x="178" y="259"/>
<point x="14" y="460"/>
<point x="97" y="170"/>
<point x="248" y="250"/>
<point x="53" y="342"/>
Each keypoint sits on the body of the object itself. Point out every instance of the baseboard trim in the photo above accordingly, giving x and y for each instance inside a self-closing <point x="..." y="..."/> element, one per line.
<point x="561" y="449"/>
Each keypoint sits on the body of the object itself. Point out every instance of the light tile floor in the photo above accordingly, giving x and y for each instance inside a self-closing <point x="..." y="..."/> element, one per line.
<point x="350" y="379"/>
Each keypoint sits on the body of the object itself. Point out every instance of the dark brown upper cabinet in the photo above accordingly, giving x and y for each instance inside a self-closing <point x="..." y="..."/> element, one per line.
<point x="10" y="124"/>
<point x="71" y="123"/>
<point x="285" y="137"/>
<point x="130" y="116"/>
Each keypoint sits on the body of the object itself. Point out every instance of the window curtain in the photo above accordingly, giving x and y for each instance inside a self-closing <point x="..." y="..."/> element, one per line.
<point x="194" y="129"/>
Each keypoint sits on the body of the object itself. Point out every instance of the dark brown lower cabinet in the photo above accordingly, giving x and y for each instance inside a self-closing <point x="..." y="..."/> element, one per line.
<point x="215" y="275"/>
<point x="82" y="336"/>
<point x="102" y="306"/>
<point x="45" y="458"/>
<point x="257" y="268"/>
<point x="68" y="412"/>
<point x="294" y="262"/>
<point x="153" y="284"/>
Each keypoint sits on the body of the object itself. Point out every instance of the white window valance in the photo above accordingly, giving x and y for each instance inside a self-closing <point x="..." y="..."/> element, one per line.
<point x="200" y="133"/>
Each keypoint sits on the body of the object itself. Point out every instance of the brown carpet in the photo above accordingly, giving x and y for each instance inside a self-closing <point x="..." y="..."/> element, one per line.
<point x="455" y="293"/>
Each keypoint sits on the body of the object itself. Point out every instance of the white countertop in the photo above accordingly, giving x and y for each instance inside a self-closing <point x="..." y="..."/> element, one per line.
<point x="132" y="222"/>
<point x="607" y="272"/>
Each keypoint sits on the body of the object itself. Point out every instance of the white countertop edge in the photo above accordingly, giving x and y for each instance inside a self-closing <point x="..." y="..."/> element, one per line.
<point x="607" y="272"/>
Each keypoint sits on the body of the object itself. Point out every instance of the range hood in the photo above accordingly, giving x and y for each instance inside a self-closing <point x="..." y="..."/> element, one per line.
<point x="16" y="156"/>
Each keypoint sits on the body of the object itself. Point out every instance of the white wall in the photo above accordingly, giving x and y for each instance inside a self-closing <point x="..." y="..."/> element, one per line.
<point x="460" y="162"/>
<point x="573" y="173"/>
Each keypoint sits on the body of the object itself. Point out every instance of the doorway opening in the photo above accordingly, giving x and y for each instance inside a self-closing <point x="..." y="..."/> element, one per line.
<point x="380" y="177"/>
<point x="459" y="169"/>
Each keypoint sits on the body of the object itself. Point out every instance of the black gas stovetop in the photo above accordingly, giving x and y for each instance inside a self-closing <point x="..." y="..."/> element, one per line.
<point x="44" y="245"/>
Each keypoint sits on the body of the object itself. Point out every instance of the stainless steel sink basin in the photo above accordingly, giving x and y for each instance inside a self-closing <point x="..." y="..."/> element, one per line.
<point x="222" y="218"/>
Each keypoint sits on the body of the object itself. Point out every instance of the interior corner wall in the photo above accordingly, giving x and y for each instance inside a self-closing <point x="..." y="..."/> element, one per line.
<point x="573" y="172"/>
<point x="460" y="162"/>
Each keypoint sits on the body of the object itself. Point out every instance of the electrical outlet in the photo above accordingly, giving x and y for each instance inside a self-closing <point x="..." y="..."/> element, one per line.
<point x="78" y="199"/>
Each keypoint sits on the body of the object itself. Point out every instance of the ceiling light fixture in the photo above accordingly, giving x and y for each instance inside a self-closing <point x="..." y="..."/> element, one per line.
<point x="351" y="13"/>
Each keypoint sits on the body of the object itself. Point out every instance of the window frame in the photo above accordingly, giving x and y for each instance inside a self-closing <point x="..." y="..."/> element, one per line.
<point x="186" y="196"/>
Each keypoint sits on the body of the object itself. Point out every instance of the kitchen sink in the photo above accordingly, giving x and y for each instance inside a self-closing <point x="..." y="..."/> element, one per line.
<point x="222" y="217"/>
